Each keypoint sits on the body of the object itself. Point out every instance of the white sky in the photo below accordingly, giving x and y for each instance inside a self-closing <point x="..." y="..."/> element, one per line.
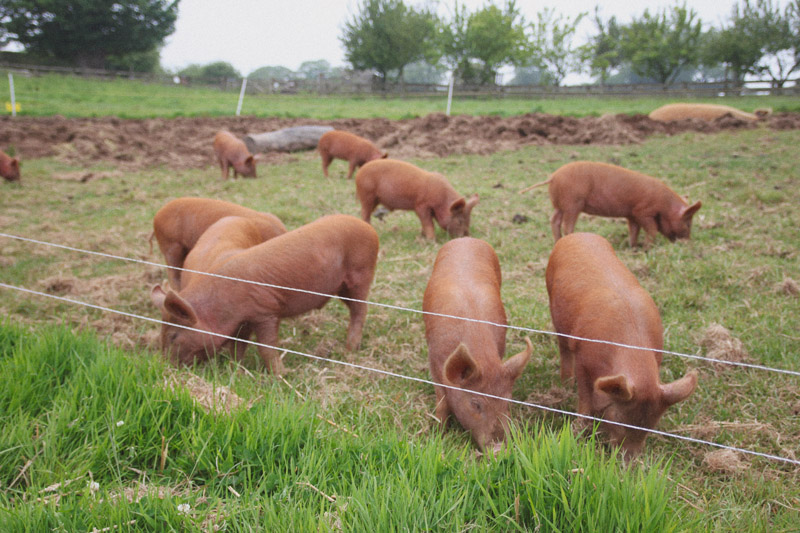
<point x="254" y="33"/>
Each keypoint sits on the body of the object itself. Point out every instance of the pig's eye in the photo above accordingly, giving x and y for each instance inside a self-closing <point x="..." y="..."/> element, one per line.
<point x="477" y="405"/>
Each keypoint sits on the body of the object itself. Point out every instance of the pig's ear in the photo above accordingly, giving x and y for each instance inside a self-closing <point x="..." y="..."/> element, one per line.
<point x="458" y="205"/>
<point x="516" y="364"/>
<point x="615" y="386"/>
<point x="689" y="211"/>
<point x="460" y="368"/>
<point x="157" y="296"/>
<point x="251" y="160"/>
<point x="472" y="202"/>
<point x="680" y="389"/>
<point x="180" y="309"/>
<point x="15" y="163"/>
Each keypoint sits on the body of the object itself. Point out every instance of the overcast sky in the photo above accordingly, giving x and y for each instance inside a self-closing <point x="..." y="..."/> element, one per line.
<point x="254" y="33"/>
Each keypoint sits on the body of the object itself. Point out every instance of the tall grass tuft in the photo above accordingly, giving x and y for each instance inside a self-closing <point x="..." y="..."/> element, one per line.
<point x="93" y="438"/>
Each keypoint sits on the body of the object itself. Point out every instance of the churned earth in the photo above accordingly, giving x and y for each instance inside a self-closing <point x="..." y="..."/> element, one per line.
<point x="131" y="144"/>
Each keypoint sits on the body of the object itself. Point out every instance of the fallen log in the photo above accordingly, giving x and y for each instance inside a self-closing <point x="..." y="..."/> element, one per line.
<point x="286" y="139"/>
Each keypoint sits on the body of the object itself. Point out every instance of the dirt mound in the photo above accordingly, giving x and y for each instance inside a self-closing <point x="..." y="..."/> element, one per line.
<point x="131" y="144"/>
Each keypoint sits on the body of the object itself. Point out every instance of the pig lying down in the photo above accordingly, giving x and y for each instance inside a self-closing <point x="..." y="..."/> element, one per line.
<point x="179" y="224"/>
<point x="9" y="167"/>
<point x="400" y="185"/>
<point x="231" y="152"/>
<point x="594" y="296"/>
<point x="465" y="282"/>
<point x="612" y="191"/>
<point x="709" y="112"/>
<point x="343" y="145"/>
<point x="333" y="255"/>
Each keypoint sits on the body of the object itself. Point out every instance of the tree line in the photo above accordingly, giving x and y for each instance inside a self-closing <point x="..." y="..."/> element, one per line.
<point x="402" y="43"/>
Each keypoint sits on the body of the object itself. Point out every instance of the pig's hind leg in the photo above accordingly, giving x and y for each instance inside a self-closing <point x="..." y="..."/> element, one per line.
<point x="356" y="303"/>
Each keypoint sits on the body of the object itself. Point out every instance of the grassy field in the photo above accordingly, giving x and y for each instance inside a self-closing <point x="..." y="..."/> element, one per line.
<point x="78" y="97"/>
<point x="271" y="461"/>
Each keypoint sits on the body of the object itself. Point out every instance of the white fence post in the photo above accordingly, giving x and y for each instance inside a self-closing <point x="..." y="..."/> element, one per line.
<point x="241" y="97"/>
<point x="13" y="96"/>
<point x="450" y="91"/>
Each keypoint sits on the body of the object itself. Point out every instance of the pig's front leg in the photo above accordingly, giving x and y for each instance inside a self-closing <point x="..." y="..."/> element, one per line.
<point x="426" y="217"/>
<point x="267" y="333"/>
<point x="633" y="232"/>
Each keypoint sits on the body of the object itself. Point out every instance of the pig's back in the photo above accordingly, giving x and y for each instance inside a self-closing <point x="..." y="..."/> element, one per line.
<point x="465" y="282"/>
<point x="594" y="295"/>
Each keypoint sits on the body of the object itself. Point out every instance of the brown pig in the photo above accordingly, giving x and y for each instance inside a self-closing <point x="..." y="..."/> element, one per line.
<point x="179" y="224"/>
<point x="334" y="255"/>
<point x="222" y="240"/>
<point x="9" y="167"/>
<point x="401" y="185"/>
<point x="232" y="152"/>
<point x="352" y="148"/>
<point x="681" y="111"/>
<point x="465" y="282"/>
<point x="612" y="191"/>
<point x="225" y="238"/>
<point x="594" y="296"/>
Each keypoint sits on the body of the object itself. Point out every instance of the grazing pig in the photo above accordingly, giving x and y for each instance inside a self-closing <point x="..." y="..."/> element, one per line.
<point x="334" y="255"/>
<point x="469" y="355"/>
<point x="594" y="296"/>
<point x="179" y="224"/>
<point x="9" y="167"/>
<point x="232" y="152"/>
<point x="225" y="238"/>
<point x="352" y="148"/>
<point x="401" y="185"/>
<point x="612" y="191"/>
<point x="669" y="112"/>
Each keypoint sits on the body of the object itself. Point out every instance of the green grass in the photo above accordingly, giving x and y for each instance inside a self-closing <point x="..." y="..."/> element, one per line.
<point x="80" y="413"/>
<point x="79" y="97"/>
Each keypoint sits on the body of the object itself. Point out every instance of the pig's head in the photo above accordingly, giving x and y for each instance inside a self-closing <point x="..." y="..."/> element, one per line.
<point x="677" y="224"/>
<point x="180" y="345"/>
<point x="485" y="418"/>
<point x="460" y="211"/>
<point x="9" y="169"/>
<point x="619" y="400"/>
<point x="247" y="168"/>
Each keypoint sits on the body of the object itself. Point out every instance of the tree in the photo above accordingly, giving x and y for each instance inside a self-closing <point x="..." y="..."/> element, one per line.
<point x="552" y="44"/>
<point x="86" y="32"/>
<point x="424" y="72"/>
<point x="660" y="46"/>
<point x="602" y="54"/>
<point x="149" y="61"/>
<point x="386" y="35"/>
<point x="272" y="73"/>
<point x="312" y="70"/>
<point x="475" y="45"/>
<point x="778" y="33"/>
<point x="218" y="69"/>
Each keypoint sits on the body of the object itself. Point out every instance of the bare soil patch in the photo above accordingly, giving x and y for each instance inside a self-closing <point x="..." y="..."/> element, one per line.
<point x="132" y="144"/>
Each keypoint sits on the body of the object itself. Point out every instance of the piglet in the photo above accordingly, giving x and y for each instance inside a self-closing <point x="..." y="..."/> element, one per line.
<point x="179" y="224"/>
<point x="469" y="355"/>
<point x="9" y="167"/>
<point x="352" y="148"/>
<point x="232" y="152"/>
<point x="222" y="240"/>
<point x="334" y="255"/>
<point x="401" y="185"/>
<point x="594" y="296"/>
<point x="612" y="191"/>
